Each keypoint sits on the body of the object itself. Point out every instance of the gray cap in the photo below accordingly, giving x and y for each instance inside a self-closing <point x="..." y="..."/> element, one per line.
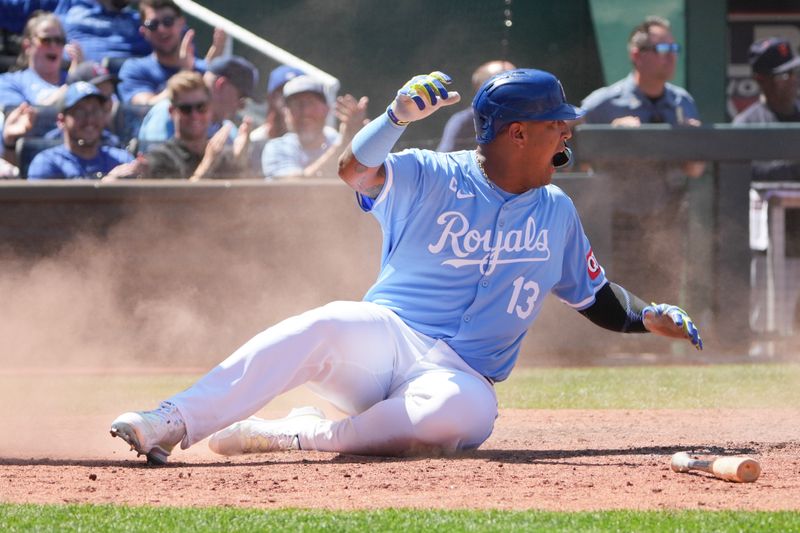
<point x="303" y="84"/>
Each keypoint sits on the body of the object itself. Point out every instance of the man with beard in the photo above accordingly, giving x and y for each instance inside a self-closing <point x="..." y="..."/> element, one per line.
<point x="142" y="80"/>
<point x="311" y="149"/>
<point x="82" y="156"/>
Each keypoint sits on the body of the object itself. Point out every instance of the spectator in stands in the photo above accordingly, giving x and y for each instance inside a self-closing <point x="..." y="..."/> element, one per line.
<point x="190" y="154"/>
<point x="275" y="123"/>
<point x="82" y="156"/>
<point x="229" y="81"/>
<point x="143" y="80"/>
<point x="39" y="79"/>
<point x="650" y="204"/>
<point x="459" y="131"/>
<point x="39" y="76"/>
<point x="312" y="149"/>
<point x="776" y="70"/>
<point x="105" y="28"/>
<point x="106" y="83"/>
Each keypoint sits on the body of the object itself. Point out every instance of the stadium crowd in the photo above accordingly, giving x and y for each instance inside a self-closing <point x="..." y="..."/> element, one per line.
<point x="105" y="90"/>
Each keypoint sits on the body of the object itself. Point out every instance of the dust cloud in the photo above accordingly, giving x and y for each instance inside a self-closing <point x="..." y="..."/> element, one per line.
<point x="169" y="285"/>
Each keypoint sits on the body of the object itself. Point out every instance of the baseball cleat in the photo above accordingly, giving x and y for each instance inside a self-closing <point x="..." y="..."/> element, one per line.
<point x="151" y="433"/>
<point x="256" y="435"/>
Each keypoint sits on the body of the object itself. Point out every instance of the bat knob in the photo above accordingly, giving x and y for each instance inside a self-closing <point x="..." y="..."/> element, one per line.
<point x="680" y="462"/>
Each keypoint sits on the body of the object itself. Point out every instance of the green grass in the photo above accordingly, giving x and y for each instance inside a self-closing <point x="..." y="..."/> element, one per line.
<point x="122" y="519"/>
<point x="639" y="387"/>
<point x="644" y="387"/>
<point x="678" y="387"/>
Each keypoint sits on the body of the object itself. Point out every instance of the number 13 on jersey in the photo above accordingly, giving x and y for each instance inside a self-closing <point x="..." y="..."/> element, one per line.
<point x="524" y="297"/>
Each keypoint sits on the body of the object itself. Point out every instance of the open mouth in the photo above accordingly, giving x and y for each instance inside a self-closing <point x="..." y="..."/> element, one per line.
<point x="52" y="57"/>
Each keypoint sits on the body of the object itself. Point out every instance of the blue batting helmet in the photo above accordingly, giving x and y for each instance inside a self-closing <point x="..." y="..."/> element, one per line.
<point x="518" y="96"/>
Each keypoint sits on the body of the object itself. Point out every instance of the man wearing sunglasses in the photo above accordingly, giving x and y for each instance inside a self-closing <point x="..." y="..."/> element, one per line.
<point x="143" y="80"/>
<point x="649" y="211"/>
<point x="230" y="80"/>
<point x="190" y="154"/>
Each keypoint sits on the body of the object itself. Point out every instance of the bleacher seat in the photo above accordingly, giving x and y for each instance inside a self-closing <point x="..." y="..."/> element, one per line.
<point x="28" y="147"/>
<point x="45" y="118"/>
<point x="142" y="147"/>
<point x="126" y="121"/>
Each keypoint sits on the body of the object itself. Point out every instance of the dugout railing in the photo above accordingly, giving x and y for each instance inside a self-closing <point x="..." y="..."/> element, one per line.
<point x="720" y="203"/>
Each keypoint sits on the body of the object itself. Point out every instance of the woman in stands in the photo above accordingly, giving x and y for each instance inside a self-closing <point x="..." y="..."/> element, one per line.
<point x="39" y="75"/>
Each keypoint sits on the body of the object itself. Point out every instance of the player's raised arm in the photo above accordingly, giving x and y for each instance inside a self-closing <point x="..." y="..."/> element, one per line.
<point x="361" y="164"/>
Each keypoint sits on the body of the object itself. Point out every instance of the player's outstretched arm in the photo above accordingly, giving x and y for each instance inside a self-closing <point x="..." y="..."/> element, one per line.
<point x="617" y="309"/>
<point x="361" y="164"/>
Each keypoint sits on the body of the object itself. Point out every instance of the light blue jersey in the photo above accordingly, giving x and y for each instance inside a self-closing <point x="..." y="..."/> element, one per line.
<point x="462" y="264"/>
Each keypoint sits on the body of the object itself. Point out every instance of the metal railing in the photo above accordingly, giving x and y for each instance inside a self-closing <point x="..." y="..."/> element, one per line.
<point x="250" y="39"/>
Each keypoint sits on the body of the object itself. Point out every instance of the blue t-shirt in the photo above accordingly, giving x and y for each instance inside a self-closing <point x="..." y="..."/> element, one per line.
<point x="26" y="86"/>
<point x="285" y="156"/>
<point x="458" y="133"/>
<point x="462" y="263"/>
<point x="147" y="75"/>
<point x="106" y="137"/>
<point x="104" y="33"/>
<point x="157" y="125"/>
<point x="15" y="13"/>
<point x="60" y="163"/>
<point x="624" y="98"/>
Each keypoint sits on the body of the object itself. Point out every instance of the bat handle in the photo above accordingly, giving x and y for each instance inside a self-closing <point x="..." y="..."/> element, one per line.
<point x="705" y="466"/>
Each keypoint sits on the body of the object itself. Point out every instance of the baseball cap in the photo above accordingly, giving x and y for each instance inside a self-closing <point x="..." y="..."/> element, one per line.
<point x="239" y="71"/>
<point x="772" y="56"/>
<point x="303" y="84"/>
<point x="93" y="72"/>
<point x="77" y="92"/>
<point x="281" y="75"/>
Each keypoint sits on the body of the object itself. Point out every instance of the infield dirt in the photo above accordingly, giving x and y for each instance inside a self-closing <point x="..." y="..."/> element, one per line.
<point x="536" y="459"/>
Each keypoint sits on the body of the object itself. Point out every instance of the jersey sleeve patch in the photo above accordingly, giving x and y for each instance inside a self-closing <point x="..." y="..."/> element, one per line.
<point x="592" y="266"/>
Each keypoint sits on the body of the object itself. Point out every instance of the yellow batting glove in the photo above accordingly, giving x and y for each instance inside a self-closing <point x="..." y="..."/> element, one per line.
<point x="420" y="97"/>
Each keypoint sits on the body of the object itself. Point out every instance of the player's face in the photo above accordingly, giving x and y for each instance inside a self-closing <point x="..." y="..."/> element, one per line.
<point x="46" y="48"/>
<point x="780" y="89"/>
<point x="652" y="64"/>
<point x="307" y="113"/>
<point x="163" y="29"/>
<point x="191" y="114"/>
<point x="85" y="121"/>
<point x="545" y="140"/>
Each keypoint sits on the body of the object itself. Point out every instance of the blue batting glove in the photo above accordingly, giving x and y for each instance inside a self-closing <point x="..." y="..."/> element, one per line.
<point x="421" y="96"/>
<point x="671" y="321"/>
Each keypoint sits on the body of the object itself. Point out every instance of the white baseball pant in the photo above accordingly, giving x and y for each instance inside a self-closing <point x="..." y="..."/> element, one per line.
<point x="404" y="391"/>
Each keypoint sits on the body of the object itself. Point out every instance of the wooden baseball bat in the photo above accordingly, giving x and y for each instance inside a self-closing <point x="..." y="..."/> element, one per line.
<point x="738" y="469"/>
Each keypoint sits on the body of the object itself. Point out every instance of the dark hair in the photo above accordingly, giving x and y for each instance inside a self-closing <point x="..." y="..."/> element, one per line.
<point x="36" y="18"/>
<point x="640" y="35"/>
<point x="159" y="4"/>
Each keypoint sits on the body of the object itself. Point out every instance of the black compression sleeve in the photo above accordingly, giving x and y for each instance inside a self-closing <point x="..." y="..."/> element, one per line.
<point x="616" y="309"/>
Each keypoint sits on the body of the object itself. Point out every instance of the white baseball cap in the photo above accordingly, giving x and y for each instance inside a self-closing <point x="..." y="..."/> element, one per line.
<point x="303" y="84"/>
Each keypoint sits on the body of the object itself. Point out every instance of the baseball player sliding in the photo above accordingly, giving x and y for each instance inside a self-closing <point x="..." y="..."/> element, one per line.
<point x="473" y="241"/>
